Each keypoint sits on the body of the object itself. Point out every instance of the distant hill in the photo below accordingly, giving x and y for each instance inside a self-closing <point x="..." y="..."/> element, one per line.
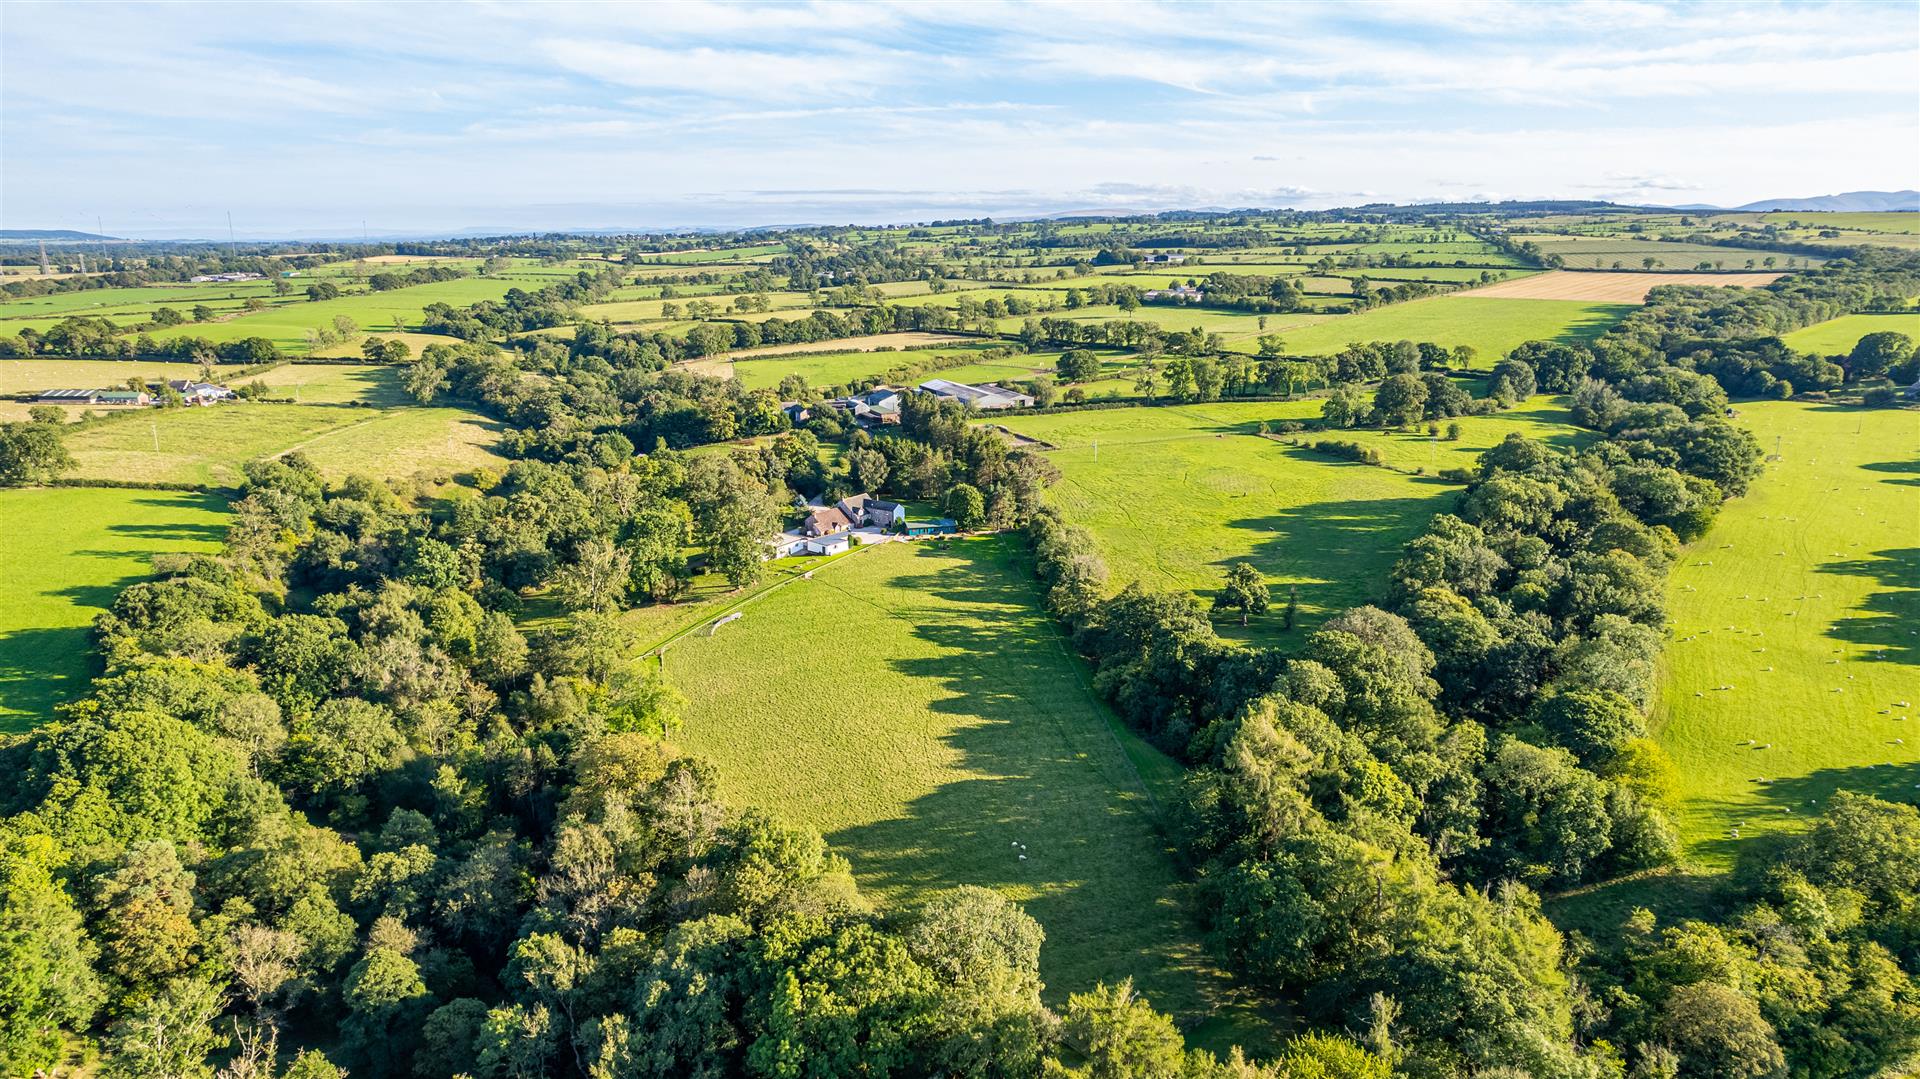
<point x="66" y="235"/>
<point x="1853" y="202"/>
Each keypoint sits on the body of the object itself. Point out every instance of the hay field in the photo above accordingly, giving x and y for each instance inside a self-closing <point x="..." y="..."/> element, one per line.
<point x="1613" y="287"/>
<point x="915" y="704"/>
<point x="65" y="553"/>
<point x="1796" y="631"/>
<point x="208" y="445"/>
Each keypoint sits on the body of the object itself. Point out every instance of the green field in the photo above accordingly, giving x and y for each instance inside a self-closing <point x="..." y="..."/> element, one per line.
<point x="1175" y="495"/>
<point x="1543" y="418"/>
<point x="335" y="383"/>
<point x="208" y="445"/>
<point x="914" y="704"/>
<point x="1601" y="253"/>
<point x="65" y="552"/>
<point x="1491" y="326"/>
<point x="1816" y="575"/>
<point x="1838" y="336"/>
<point x="824" y="369"/>
<point x="399" y="309"/>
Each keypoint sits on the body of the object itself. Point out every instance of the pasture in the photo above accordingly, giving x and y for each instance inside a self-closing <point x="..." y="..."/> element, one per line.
<point x="1543" y="418"/>
<point x="286" y="325"/>
<point x="914" y="704"/>
<point x="1624" y="253"/>
<point x="1174" y="495"/>
<point x="1796" y="632"/>
<point x="1490" y="325"/>
<point x="65" y="552"/>
<point x="826" y="369"/>
<point x="1839" y="335"/>
<point x="207" y="446"/>
<point x="1612" y="287"/>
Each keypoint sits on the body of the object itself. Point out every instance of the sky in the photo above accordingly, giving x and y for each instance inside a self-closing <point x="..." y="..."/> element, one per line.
<point x="415" y="118"/>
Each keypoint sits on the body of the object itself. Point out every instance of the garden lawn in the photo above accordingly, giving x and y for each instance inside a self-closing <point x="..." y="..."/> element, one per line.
<point x="914" y="704"/>
<point x="1490" y="326"/>
<point x="1176" y="495"/>
<point x="1816" y="575"/>
<point x="1837" y="336"/>
<point x="65" y="553"/>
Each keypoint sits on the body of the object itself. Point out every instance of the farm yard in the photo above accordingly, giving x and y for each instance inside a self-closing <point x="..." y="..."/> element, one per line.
<point x="1795" y="653"/>
<point x="969" y="749"/>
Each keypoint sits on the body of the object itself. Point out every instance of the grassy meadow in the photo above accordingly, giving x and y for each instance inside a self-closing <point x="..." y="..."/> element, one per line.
<point x="208" y="445"/>
<point x="915" y="704"/>
<point x="65" y="552"/>
<point x="1839" y="335"/>
<point x="1175" y="495"/>
<point x="1796" y="631"/>
<point x="1491" y="326"/>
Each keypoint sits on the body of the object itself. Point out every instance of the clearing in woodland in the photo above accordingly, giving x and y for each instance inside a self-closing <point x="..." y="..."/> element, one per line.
<point x="915" y="704"/>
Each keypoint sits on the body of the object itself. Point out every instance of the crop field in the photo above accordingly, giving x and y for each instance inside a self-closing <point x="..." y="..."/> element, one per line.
<point x="65" y="552"/>
<point x="32" y="376"/>
<point x="1838" y="336"/>
<point x="208" y="445"/>
<point x="1613" y="287"/>
<point x="1491" y="326"/>
<point x="915" y="704"/>
<point x="1175" y="495"/>
<point x="1794" y="668"/>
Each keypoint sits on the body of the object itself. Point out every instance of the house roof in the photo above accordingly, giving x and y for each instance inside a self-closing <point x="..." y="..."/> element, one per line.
<point x="830" y="519"/>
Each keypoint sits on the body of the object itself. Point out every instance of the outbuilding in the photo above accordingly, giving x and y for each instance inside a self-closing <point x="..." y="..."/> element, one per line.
<point x="839" y="543"/>
<point x="938" y="526"/>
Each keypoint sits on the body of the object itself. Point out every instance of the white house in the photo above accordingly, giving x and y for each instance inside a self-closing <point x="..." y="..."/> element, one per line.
<point x="838" y="543"/>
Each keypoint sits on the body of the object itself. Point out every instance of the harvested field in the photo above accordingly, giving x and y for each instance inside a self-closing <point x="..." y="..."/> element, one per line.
<point x="1613" y="287"/>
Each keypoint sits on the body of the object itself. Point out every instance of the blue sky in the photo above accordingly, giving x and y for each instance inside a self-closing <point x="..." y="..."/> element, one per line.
<point x="159" y="119"/>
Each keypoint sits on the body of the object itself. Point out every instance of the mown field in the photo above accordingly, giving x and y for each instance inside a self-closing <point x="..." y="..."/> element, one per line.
<point x="1839" y="335"/>
<point x="65" y="552"/>
<point x="286" y="325"/>
<point x="208" y="445"/>
<point x="914" y="704"/>
<point x="1796" y="631"/>
<point x="1626" y="253"/>
<point x="1175" y="495"/>
<point x="1490" y="326"/>
<point x="1544" y="418"/>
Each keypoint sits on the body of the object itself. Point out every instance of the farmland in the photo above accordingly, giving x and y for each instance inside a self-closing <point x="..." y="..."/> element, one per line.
<point x="1838" y="336"/>
<point x="64" y="554"/>
<point x="207" y="446"/>
<point x="1794" y="625"/>
<point x="969" y="729"/>
<point x="1612" y="287"/>
<point x="1175" y="495"/>
<point x="1491" y="326"/>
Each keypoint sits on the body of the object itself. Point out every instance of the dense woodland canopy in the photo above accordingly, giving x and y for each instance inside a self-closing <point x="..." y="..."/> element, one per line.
<point x="330" y="806"/>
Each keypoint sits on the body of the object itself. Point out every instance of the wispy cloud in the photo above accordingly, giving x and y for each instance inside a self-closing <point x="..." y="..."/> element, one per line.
<point x="682" y="111"/>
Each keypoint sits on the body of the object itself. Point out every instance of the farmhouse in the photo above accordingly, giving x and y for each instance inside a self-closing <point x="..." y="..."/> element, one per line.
<point x="825" y="521"/>
<point x="864" y="509"/>
<point x="1178" y="292"/>
<point x="199" y="393"/>
<point x="985" y="398"/>
<point x="1164" y="258"/>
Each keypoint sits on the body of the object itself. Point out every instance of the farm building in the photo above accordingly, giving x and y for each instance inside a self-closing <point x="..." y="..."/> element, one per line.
<point x="1179" y="292"/>
<point x="879" y="405"/>
<point x="787" y="543"/>
<point x="939" y="526"/>
<point x="1161" y="259"/>
<point x="836" y="544"/>
<point x="69" y="397"/>
<point x="986" y="398"/>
